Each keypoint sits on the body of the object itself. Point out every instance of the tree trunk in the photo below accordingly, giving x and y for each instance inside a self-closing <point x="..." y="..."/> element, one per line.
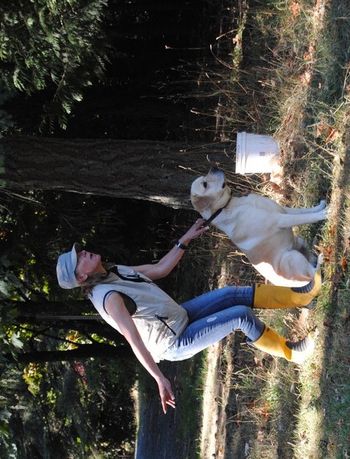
<point x="150" y="170"/>
<point x="84" y="351"/>
<point x="61" y="315"/>
<point x="49" y="308"/>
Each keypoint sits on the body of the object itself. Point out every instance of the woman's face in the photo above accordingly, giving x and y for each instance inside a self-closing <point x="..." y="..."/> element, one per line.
<point x="88" y="263"/>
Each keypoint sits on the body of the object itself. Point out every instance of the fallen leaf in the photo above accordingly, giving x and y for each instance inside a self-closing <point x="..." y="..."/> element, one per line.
<point x="305" y="77"/>
<point x="333" y="135"/>
<point x="344" y="264"/>
<point x="325" y="130"/>
<point x="295" y="8"/>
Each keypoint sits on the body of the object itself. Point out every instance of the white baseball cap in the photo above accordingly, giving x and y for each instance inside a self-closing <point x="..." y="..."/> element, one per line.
<point x="65" y="269"/>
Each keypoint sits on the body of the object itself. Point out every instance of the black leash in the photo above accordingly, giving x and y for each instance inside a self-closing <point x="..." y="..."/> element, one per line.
<point x="215" y="214"/>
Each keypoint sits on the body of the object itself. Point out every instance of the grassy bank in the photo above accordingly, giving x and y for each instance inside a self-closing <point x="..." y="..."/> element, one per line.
<point x="293" y="82"/>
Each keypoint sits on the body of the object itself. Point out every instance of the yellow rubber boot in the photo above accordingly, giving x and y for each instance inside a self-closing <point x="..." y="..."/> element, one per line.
<point x="274" y="297"/>
<point x="274" y="344"/>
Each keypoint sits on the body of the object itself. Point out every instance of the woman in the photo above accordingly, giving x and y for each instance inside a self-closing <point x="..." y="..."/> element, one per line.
<point x="157" y="328"/>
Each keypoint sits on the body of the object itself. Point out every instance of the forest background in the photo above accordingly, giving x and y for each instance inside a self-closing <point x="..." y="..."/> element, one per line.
<point x="109" y="109"/>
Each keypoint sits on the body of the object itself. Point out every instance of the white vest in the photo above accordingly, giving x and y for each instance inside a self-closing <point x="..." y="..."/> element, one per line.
<point x="158" y="318"/>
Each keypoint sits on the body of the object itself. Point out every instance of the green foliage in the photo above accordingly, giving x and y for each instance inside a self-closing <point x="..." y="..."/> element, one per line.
<point x="5" y="119"/>
<point x="54" y="45"/>
<point x="33" y="375"/>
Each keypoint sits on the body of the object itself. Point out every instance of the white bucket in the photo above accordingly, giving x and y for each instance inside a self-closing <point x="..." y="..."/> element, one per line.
<point x="256" y="153"/>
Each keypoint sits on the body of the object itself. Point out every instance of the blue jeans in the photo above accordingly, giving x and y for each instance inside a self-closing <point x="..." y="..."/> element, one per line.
<point x="213" y="316"/>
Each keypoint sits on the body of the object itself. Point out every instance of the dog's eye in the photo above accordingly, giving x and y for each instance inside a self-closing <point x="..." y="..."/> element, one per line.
<point x="223" y="185"/>
<point x="205" y="184"/>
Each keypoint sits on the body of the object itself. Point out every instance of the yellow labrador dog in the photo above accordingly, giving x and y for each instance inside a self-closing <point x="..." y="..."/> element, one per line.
<point x="260" y="228"/>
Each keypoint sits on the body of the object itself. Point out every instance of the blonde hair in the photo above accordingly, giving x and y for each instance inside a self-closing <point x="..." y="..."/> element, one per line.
<point x="95" y="279"/>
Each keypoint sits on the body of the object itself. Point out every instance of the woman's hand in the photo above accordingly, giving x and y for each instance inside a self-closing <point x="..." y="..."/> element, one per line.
<point x="195" y="231"/>
<point x="166" y="394"/>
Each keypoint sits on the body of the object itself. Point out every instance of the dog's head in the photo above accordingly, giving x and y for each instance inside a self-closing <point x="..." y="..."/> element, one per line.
<point x="209" y="193"/>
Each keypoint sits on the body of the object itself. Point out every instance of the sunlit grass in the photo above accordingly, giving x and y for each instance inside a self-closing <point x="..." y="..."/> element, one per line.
<point x="321" y="430"/>
<point x="298" y="91"/>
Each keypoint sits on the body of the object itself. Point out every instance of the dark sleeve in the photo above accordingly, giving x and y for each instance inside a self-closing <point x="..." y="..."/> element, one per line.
<point x="129" y="302"/>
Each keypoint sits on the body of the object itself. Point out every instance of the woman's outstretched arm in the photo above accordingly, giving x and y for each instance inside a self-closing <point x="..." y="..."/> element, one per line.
<point x="166" y="264"/>
<point x="115" y="307"/>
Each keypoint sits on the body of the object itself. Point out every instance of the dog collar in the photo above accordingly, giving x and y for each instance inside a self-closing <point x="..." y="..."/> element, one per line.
<point x="215" y="214"/>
